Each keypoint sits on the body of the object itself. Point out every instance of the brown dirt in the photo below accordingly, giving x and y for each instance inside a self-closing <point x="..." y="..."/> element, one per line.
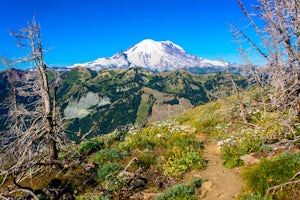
<point x="221" y="183"/>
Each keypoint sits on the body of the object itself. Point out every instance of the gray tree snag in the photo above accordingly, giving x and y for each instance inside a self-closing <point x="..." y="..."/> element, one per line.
<point x="40" y="66"/>
<point x="34" y="132"/>
<point x="279" y="43"/>
<point x="277" y="24"/>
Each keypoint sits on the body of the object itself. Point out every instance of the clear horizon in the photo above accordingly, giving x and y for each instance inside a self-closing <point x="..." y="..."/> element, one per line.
<point x="82" y="31"/>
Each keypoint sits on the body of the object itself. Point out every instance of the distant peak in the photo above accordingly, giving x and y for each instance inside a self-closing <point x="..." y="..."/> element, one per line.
<point x="154" y="42"/>
<point x="148" y="41"/>
<point x="155" y="56"/>
<point x="157" y="45"/>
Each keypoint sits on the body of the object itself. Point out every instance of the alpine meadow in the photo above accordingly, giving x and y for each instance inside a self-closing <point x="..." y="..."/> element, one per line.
<point x="214" y="118"/>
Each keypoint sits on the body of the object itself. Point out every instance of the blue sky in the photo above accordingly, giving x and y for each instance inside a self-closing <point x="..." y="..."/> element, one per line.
<point x="84" y="30"/>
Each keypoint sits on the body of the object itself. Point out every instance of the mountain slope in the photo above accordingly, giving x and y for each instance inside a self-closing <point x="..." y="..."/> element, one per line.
<point x="112" y="98"/>
<point x="155" y="56"/>
<point x="181" y="159"/>
<point x="99" y="102"/>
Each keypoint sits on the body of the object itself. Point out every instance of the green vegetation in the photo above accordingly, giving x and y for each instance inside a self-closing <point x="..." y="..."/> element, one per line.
<point x="125" y="88"/>
<point x="107" y="155"/>
<point x="159" y="157"/>
<point x="108" y="171"/>
<point x="247" y="142"/>
<point x="172" y="102"/>
<point x="89" y="146"/>
<point x="260" y="177"/>
<point x="179" y="149"/>
<point x="174" y="148"/>
<point x="178" y="192"/>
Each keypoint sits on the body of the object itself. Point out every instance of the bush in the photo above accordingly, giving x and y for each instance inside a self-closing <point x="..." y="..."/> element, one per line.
<point x="179" y="192"/>
<point x="269" y="173"/>
<point x="146" y="158"/>
<point x="179" y="149"/>
<point x="108" y="171"/>
<point x="255" y="197"/>
<point x="196" y="182"/>
<point x="181" y="162"/>
<point x="247" y="141"/>
<point x="107" y="155"/>
<point x="116" y="184"/>
<point x="89" y="146"/>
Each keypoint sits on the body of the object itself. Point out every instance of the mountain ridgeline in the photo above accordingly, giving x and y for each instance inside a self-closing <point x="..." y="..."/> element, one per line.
<point x="160" y="56"/>
<point x="94" y="103"/>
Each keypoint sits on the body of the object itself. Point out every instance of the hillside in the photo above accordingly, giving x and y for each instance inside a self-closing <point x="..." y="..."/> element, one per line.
<point x="185" y="158"/>
<point x="98" y="102"/>
<point x="111" y="98"/>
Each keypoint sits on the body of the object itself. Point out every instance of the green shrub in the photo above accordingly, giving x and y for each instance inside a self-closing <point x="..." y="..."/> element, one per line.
<point x="107" y="155"/>
<point x="89" y="146"/>
<point x="146" y="158"/>
<point x="116" y="184"/>
<point x="181" y="162"/>
<point x="108" y="171"/>
<point x="196" y="182"/>
<point x="179" y="192"/>
<point x="247" y="141"/>
<point x="269" y="173"/>
<point x="231" y="156"/>
<point x="266" y="148"/>
<point x="255" y="197"/>
<point x="147" y="138"/>
<point x="178" y="148"/>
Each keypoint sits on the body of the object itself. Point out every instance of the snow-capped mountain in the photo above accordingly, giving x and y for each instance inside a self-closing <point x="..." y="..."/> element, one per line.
<point x="155" y="56"/>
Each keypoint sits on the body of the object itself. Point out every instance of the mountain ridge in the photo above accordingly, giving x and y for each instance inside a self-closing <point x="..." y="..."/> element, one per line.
<point x="100" y="100"/>
<point x="158" y="56"/>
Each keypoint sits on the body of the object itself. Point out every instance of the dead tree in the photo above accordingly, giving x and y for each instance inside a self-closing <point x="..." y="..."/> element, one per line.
<point x="279" y="45"/>
<point x="277" y="24"/>
<point x="34" y="132"/>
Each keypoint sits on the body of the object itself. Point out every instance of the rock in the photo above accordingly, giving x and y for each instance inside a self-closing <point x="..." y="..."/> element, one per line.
<point x="249" y="159"/>
<point x="203" y="194"/>
<point x="207" y="185"/>
<point x="148" y="196"/>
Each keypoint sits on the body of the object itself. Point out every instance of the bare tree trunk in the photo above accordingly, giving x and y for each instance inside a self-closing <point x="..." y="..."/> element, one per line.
<point x="32" y="131"/>
<point x="37" y="47"/>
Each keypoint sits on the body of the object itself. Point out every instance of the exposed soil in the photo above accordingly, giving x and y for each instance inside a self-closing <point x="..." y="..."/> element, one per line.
<point x="221" y="183"/>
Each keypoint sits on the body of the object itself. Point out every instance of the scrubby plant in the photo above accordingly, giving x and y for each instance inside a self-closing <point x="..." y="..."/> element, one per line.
<point x="266" y="148"/>
<point x="180" y="150"/>
<point x="146" y="158"/>
<point x="196" y="182"/>
<point x="89" y="146"/>
<point x="246" y="141"/>
<point x="116" y="183"/>
<point x="108" y="171"/>
<point x="270" y="173"/>
<point x="179" y="192"/>
<point x="107" y="155"/>
<point x="254" y="197"/>
<point x="1" y="179"/>
<point x="147" y="138"/>
<point x="181" y="161"/>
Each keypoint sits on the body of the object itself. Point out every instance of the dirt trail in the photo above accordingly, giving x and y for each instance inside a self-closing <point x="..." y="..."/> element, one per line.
<point x="222" y="183"/>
